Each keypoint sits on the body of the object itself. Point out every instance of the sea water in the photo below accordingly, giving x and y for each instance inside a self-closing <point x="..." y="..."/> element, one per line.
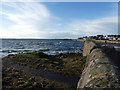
<point x="48" y="46"/>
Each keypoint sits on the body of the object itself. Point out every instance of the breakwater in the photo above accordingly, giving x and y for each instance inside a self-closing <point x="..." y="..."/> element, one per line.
<point x="102" y="41"/>
<point x="99" y="71"/>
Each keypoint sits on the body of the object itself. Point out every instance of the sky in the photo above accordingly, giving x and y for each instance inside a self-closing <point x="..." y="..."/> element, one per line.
<point x="58" y="20"/>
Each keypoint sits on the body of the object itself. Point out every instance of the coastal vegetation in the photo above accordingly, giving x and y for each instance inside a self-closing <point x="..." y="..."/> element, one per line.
<point x="70" y="64"/>
<point x="17" y="79"/>
<point x="67" y="64"/>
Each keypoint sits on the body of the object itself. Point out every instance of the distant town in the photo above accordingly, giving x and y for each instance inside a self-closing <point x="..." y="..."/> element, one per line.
<point x="103" y="37"/>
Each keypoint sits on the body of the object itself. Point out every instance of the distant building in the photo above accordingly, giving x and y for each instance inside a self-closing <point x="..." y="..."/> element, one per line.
<point x="99" y="36"/>
<point x="85" y="37"/>
<point x="102" y="37"/>
<point x="114" y="38"/>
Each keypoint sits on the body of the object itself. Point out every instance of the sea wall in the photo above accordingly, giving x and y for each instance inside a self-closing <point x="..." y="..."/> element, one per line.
<point x="99" y="71"/>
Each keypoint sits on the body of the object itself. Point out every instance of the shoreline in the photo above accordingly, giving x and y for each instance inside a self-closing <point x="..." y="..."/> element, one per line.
<point x="28" y="58"/>
<point x="101" y="41"/>
<point x="7" y="54"/>
<point x="60" y="67"/>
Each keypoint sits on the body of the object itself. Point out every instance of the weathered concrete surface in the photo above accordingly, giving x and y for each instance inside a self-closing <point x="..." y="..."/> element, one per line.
<point x="88" y="46"/>
<point x="98" y="71"/>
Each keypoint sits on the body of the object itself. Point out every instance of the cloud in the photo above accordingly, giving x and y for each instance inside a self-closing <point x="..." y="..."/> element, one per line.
<point x="78" y="28"/>
<point x="105" y="25"/>
<point x="35" y="20"/>
<point x="29" y="19"/>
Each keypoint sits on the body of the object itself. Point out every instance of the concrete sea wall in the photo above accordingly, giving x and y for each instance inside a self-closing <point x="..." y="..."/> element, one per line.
<point x="99" y="71"/>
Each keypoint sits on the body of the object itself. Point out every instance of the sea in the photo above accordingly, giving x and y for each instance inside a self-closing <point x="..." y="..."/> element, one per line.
<point x="47" y="46"/>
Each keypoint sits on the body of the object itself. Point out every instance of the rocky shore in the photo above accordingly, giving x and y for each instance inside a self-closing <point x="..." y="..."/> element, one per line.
<point x="38" y="70"/>
<point x="97" y="67"/>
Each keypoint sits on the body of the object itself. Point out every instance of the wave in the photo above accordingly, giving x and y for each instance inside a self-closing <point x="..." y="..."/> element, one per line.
<point x="23" y="50"/>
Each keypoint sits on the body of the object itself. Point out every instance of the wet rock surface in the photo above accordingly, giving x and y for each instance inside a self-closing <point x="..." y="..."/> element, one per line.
<point x="58" y="71"/>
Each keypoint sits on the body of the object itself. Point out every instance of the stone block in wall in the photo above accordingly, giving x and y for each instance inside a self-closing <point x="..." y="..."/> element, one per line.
<point x="88" y="46"/>
<point x="99" y="72"/>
